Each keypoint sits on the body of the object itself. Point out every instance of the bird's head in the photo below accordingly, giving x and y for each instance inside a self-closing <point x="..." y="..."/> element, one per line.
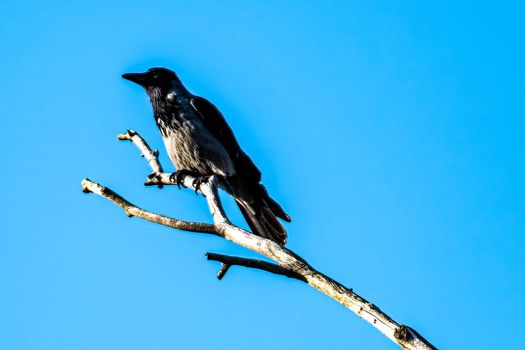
<point x="157" y="81"/>
<point x="153" y="77"/>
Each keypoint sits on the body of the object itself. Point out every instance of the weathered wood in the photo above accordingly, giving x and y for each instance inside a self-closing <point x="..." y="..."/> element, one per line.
<point x="131" y="209"/>
<point x="288" y="263"/>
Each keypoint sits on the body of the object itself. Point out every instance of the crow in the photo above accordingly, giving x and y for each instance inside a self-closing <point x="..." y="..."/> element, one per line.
<point x="200" y="143"/>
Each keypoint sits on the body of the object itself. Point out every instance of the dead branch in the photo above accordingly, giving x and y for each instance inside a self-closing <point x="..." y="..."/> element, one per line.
<point x="228" y="261"/>
<point x="288" y="263"/>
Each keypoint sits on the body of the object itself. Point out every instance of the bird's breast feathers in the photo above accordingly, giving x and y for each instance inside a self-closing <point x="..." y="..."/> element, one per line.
<point x="192" y="147"/>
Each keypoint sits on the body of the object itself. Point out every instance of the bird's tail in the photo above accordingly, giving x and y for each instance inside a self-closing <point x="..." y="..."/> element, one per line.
<point x="261" y="215"/>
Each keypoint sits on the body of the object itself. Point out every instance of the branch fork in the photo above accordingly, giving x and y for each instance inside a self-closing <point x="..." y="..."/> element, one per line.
<point x="287" y="263"/>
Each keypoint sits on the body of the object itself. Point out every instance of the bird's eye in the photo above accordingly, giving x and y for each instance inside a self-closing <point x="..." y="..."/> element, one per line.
<point x="155" y="76"/>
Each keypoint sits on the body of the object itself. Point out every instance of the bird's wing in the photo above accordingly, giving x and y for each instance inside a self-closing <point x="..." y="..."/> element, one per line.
<point x="216" y="124"/>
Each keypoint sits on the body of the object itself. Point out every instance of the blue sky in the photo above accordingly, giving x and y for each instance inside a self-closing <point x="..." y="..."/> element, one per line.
<point x="392" y="132"/>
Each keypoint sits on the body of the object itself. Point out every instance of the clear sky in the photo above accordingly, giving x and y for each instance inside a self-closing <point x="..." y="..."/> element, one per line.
<point x="392" y="132"/>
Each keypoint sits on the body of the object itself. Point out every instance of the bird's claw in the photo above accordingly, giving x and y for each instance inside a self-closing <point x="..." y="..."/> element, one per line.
<point x="198" y="182"/>
<point x="177" y="177"/>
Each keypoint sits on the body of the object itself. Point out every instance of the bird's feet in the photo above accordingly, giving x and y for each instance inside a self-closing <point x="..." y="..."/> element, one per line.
<point x="199" y="180"/>
<point x="178" y="176"/>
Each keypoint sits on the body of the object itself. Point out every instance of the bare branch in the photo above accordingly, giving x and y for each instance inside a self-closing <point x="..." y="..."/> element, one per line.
<point x="158" y="177"/>
<point x="151" y="156"/>
<point x="222" y="272"/>
<point x="89" y="186"/>
<point x="252" y="263"/>
<point x="288" y="263"/>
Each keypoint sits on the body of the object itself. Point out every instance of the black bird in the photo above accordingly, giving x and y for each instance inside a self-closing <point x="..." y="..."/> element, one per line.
<point x="200" y="143"/>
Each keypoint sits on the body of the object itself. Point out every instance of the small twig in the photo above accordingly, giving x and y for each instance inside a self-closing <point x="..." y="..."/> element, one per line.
<point x="131" y="209"/>
<point x="222" y="272"/>
<point x="151" y="156"/>
<point x="229" y="261"/>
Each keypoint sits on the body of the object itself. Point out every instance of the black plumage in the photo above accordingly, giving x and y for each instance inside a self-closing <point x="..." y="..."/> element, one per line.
<point x="200" y="142"/>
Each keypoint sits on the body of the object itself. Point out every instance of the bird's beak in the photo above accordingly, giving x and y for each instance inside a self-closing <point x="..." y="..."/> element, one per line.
<point x="138" y="78"/>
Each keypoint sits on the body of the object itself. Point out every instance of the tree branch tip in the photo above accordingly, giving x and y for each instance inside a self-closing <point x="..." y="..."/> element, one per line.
<point x="215" y="256"/>
<point x="85" y="185"/>
<point x="89" y="186"/>
<point x="222" y="272"/>
<point x="405" y="333"/>
<point x="127" y="136"/>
